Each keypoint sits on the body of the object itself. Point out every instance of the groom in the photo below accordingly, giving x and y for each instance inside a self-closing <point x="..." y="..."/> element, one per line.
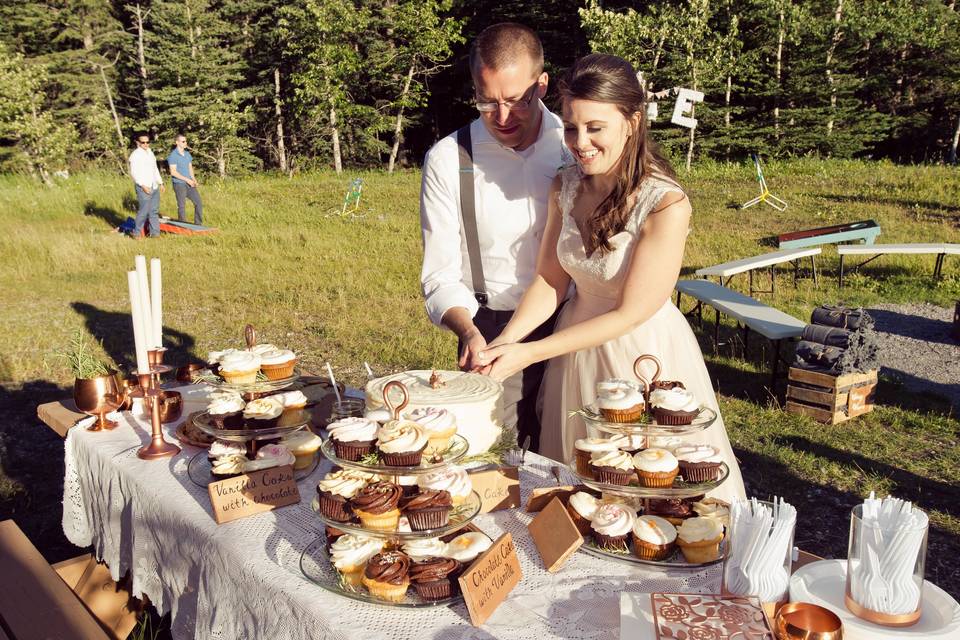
<point x="483" y="208"/>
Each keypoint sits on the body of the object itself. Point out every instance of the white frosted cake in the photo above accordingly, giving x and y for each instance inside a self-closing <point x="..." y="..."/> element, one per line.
<point x="475" y="400"/>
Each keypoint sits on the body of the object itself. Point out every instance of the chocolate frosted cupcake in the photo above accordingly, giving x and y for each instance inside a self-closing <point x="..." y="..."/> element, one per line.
<point x="673" y="510"/>
<point x="611" y="527"/>
<point x="353" y="438"/>
<point x="387" y="576"/>
<point x="401" y="443"/>
<point x="428" y="510"/>
<point x="698" y="462"/>
<point x="336" y="489"/>
<point x="433" y="578"/>
<point x="377" y="506"/>
<point x="613" y="467"/>
<point x="672" y="404"/>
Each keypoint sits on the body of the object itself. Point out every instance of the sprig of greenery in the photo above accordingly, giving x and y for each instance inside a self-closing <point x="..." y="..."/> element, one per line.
<point x="371" y="459"/>
<point x="506" y="443"/>
<point x="83" y="363"/>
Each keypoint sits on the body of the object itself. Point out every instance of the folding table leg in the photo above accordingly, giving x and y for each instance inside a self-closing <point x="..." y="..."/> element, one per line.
<point x="746" y="338"/>
<point x="773" y="280"/>
<point x="716" y="333"/>
<point x="813" y="267"/>
<point x="840" y="282"/>
<point x="774" y="363"/>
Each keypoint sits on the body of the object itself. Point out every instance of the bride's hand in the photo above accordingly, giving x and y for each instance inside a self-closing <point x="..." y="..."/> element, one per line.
<point x="505" y="359"/>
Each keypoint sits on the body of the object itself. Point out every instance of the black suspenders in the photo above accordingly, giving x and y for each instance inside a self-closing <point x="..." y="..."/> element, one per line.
<point x="468" y="211"/>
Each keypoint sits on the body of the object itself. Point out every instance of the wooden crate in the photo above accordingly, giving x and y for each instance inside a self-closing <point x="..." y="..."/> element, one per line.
<point x="830" y="399"/>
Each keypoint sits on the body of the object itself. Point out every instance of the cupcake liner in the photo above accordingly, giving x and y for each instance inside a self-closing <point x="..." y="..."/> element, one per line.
<point x="380" y="521"/>
<point x="292" y="416"/>
<point x="353" y="450"/>
<point x="613" y="475"/>
<point x="610" y="543"/>
<point x="700" y="551"/>
<point x="403" y="458"/>
<point x="257" y="423"/>
<point x="673" y="418"/>
<point x="334" y="507"/>
<point x="239" y="377"/>
<point x="648" y="551"/>
<point x="439" y="443"/>
<point x="428" y="518"/>
<point x="385" y="590"/>
<point x="436" y="590"/>
<point x="699" y="471"/>
<point x="582" y="524"/>
<point x="583" y="463"/>
<point x="278" y="371"/>
<point x="233" y="420"/>
<point x="633" y="414"/>
<point x="658" y="479"/>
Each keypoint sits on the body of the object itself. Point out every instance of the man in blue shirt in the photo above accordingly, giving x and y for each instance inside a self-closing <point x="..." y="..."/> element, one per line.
<point x="184" y="181"/>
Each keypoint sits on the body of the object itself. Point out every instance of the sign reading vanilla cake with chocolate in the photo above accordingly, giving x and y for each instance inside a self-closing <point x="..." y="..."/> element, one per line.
<point x="475" y="401"/>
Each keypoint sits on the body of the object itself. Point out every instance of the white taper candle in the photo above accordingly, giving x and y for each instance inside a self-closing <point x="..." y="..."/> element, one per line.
<point x="146" y="319"/>
<point x="156" y="304"/>
<point x="136" y="314"/>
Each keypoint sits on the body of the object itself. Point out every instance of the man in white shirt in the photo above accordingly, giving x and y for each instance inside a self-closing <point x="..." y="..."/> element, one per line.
<point x="517" y="147"/>
<point x="149" y="186"/>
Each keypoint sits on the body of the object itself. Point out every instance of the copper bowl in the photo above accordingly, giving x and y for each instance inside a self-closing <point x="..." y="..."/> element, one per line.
<point x="99" y="396"/>
<point x="187" y="372"/>
<point x="805" y="621"/>
<point x="171" y="406"/>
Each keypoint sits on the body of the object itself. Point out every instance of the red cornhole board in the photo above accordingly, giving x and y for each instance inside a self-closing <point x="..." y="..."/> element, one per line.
<point x="184" y="228"/>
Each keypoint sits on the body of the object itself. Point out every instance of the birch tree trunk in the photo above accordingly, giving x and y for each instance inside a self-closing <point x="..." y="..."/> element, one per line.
<point x="952" y="156"/>
<point x="113" y="109"/>
<point x="141" y="15"/>
<point x="399" y="127"/>
<point x="726" y="116"/>
<point x="335" y="135"/>
<point x="656" y="59"/>
<point x="281" y="149"/>
<point x="834" y="41"/>
<point x="781" y="36"/>
<point x="693" y="113"/>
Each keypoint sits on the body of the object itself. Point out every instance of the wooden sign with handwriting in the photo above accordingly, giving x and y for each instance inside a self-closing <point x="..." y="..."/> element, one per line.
<point x="490" y="579"/>
<point x="253" y="493"/>
<point x="555" y="535"/>
<point x="498" y="488"/>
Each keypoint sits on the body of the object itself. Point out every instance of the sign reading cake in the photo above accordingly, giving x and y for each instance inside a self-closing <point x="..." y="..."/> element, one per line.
<point x="475" y="400"/>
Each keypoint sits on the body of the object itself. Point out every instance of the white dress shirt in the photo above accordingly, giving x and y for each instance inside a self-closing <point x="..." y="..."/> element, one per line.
<point x="143" y="168"/>
<point x="511" y="189"/>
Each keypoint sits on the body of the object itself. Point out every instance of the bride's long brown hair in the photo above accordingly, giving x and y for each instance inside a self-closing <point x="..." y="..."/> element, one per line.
<point x="606" y="78"/>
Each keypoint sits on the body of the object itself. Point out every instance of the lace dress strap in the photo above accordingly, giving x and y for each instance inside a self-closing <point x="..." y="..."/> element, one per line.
<point x="569" y="183"/>
<point x="651" y="193"/>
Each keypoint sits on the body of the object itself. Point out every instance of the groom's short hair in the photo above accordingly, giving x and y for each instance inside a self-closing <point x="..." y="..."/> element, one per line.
<point x="500" y="45"/>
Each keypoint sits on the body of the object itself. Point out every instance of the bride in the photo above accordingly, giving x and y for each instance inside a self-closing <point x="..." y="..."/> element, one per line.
<point x="617" y="225"/>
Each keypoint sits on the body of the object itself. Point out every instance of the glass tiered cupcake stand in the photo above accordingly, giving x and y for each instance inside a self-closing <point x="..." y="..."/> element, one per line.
<point x="290" y="421"/>
<point x="316" y="563"/>
<point x="633" y="493"/>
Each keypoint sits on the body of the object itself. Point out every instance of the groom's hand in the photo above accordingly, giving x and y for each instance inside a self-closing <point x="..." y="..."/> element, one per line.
<point x="504" y="360"/>
<point x="473" y="344"/>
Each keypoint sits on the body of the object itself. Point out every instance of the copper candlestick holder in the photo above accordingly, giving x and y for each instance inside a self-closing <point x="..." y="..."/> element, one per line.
<point x="158" y="447"/>
<point x="155" y="360"/>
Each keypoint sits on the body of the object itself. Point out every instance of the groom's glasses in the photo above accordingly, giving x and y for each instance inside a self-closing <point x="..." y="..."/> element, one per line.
<point x="521" y="104"/>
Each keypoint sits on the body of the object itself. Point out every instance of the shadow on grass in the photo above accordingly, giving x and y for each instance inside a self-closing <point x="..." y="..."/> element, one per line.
<point x="899" y="202"/>
<point x="31" y="467"/>
<point x="111" y="216"/>
<point x="116" y="333"/>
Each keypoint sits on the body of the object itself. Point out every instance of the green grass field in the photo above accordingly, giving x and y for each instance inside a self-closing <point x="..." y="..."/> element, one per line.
<point x="347" y="291"/>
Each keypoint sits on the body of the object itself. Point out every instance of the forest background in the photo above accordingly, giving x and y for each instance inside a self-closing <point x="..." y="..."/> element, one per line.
<point x="292" y="85"/>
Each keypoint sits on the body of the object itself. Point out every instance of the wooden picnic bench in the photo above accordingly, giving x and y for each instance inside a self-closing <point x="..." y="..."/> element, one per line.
<point x="940" y="249"/>
<point x="767" y="260"/>
<point x="34" y="601"/>
<point x="773" y="324"/>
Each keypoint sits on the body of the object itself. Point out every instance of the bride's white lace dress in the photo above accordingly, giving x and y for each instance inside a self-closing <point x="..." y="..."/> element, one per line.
<point x="570" y="379"/>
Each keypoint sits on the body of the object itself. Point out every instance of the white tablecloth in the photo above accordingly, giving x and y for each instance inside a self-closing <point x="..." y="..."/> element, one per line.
<point x="243" y="580"/>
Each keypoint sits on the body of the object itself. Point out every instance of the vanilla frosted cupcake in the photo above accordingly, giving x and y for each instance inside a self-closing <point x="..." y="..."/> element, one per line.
<point x="613" y="467"/>
<point x="353" y="438"/>
<point x="619" y="401"/>
<point x="698" y="462"/>
<point x="239" y="367"/>
<point x="439" y="424"/>
<point x="585" y="448"/>
<point x="294" y="408"/>
<point x="336" y="489"/>
<point x="263" y="347"/>
<point x="303" y="445"/>
<point x="653" y="538"/>
<point x="350" y="552"/>
<point x="292" y="399"/>
<point x="467" y="546"/>
<point x="713" y="509"/>
<point x="631" y="444"/>
<point x="656" y="467"/>
<point x="401" y="443"/>
<point x="611" y="526"/>
<point x="226" y="410"/>
<point x="672" y="404"/>
<point x="582" y="506"/>
<point x="272" y="455"/>
<point x="425" y="548"/>
<point x="262" y="413"/>
<point x="223" y="448"/>
<point x="664" y="442"/>
<point x="214" y="357"/>
<point x="228" y="466"/>
<point x="453" y="479"/>
<point x="277" y="363"/>
<point x="699" y="539"/>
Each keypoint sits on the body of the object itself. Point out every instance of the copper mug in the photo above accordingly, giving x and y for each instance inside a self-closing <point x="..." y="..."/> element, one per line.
<point x="99" y="396"/>
<point x="171" y="406"/>
<point x="187" y="372"/>
<point x="805" y="621"/>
